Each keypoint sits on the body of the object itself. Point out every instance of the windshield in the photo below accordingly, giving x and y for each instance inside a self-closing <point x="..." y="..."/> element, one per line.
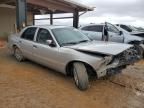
<point x="127" y="28"/>
<point x="133" y="28"/>
<point x="136" y="28"/>
<point x="69" y="36"/>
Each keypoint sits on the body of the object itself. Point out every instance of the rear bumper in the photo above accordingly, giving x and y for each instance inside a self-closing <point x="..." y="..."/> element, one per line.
<point x="10" y="50"/>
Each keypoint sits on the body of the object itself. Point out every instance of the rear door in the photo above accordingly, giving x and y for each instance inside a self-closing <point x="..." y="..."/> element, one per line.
<point x="26" y="42"/>
<point x="114" y="34"/>
<point x="94" y="32"/>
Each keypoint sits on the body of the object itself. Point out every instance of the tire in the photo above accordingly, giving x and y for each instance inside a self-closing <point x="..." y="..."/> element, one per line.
<point x="139" y="50"/>
<point x="80" y="76"/>
<point x="18" y="55"/>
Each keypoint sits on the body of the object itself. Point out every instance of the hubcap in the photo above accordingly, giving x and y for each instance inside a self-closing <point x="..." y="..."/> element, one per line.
<point x="76" y="77"/>
<point x="18" y="55"/>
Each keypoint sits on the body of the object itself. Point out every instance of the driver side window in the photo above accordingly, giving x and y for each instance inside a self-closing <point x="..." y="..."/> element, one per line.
<point x="43" y="35"/>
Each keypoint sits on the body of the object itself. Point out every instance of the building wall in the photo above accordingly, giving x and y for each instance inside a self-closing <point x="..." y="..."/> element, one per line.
<point x="8" y="20"/>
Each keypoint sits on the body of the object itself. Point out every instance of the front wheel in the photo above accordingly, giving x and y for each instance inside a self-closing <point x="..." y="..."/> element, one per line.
<point x="139" y="50"/>
<point x="80" y="76"/>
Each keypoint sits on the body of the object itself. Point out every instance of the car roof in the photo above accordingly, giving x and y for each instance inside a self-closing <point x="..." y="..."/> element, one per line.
<point x="49" y="26"/>
<point x="91" y="25"/>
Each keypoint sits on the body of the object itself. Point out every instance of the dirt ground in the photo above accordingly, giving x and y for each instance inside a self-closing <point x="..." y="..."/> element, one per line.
<point x="2" y="44"/>
<point x="29" y="85"/>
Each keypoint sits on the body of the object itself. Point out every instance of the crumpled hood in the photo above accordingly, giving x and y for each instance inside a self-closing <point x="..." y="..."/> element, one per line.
<point x="108" y="48"/>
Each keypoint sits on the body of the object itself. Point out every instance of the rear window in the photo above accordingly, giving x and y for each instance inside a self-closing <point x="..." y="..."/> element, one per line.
<point x="86" y="28"/>
<point x="29" y="33"/>
<point x="95" y="28"/>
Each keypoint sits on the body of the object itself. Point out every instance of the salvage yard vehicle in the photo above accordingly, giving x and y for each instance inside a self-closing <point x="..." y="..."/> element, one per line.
<point x="67" y="50"/>
<point x="132" y="30"/>
<point x="109" y="32"/>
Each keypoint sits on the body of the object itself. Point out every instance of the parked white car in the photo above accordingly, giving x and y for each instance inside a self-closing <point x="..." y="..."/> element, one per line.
<point x="109" y="32"/>
<point x="131" y="30"/>
<point x="70" y="52"/>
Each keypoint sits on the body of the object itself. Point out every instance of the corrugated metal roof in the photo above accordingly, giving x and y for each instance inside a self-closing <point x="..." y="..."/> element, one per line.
<point x="57" y="6"/>
<point x="73" y="3"/>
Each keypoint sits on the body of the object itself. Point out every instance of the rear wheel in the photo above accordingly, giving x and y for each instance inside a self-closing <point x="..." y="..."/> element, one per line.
<point x="18" y="54"/>
<point x="80" y="75"/>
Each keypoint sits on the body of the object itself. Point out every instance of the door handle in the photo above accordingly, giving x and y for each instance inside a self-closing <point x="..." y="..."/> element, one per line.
<point x="34" y="46"/>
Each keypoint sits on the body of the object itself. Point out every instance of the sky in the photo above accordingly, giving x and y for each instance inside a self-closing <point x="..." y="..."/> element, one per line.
<point x="130" y="12"/>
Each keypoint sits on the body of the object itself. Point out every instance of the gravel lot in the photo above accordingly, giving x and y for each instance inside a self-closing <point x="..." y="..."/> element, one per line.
<point x="29" y="85"/>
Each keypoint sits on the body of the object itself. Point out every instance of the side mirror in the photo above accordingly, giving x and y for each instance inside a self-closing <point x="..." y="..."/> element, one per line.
<point x="50" y="43"/>
<point x="121" y="33"/>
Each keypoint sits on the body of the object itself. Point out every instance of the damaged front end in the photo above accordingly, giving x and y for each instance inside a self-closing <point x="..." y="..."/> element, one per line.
<point x="113" y="65"/>
<point x="127" y="57"/>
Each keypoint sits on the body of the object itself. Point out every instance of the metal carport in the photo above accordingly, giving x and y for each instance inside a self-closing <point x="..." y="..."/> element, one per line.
<point x="49" y="6"/>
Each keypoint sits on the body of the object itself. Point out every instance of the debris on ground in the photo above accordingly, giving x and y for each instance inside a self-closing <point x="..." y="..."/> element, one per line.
<point x="2" y="44"/>
<point x="132" y="77"/>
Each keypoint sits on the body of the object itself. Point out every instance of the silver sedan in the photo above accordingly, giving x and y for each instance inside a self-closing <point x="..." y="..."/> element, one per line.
<point x="70" y="52"/>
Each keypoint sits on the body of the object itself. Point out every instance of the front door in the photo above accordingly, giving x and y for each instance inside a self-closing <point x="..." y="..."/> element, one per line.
<point x="45" y="54"/>
<point x="114" y="34"/>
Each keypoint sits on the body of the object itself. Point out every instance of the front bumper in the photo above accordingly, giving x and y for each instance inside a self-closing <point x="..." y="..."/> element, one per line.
<point x="118" y="62"/>
<point x="106" y="69"/>
<point x="142" y="45"/>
